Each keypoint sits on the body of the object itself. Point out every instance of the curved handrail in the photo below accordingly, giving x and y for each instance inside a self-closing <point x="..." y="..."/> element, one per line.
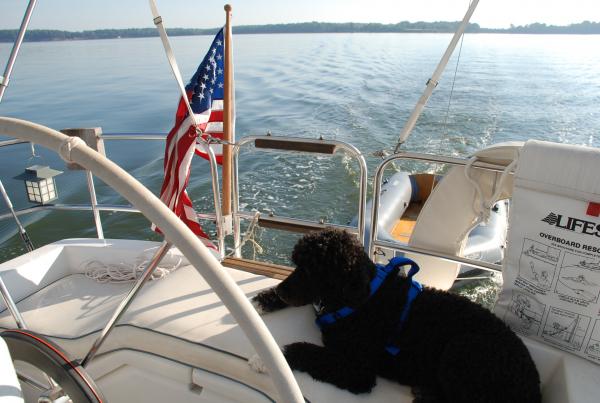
<point x="493" y="160"/>
<point x="349" y="148"/>
<point x="74" y="149"/>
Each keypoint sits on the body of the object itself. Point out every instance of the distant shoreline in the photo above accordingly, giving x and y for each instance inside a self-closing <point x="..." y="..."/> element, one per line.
<point x="43" y="35"/>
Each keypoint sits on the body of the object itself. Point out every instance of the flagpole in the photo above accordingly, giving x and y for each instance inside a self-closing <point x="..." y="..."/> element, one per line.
<point x="228" y="116"/>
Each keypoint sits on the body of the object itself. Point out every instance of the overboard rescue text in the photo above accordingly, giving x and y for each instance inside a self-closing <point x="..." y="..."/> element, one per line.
<point x="566" y="242"/>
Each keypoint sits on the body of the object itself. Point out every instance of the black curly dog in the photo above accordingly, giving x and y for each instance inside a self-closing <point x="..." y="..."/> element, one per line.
<point x="450" y="349"/>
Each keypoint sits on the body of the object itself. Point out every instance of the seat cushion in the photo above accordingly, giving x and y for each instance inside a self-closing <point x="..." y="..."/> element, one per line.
<point x="178" y="317"/>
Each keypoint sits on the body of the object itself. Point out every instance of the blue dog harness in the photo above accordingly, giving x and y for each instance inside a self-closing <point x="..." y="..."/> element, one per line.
<point x="380" y="275"/>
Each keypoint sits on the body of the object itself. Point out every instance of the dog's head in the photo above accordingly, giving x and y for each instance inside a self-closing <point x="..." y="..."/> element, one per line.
<point x="332" y="268"/>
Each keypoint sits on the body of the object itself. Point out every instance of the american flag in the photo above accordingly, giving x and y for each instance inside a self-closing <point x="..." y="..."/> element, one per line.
<point x="205" y="92"/>
<point x="205" y="95"/>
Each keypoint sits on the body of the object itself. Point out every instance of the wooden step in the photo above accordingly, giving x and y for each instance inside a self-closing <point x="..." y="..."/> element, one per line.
<point x="403" y="229"/>
<point x="252" y="266"/>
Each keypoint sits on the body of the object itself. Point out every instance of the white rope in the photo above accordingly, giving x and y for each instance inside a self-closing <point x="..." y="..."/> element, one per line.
<point x="67" y="146"/>
<point x="249" y="236"/>
<point x="125" y="272"/>
<point x="483" y="210"/>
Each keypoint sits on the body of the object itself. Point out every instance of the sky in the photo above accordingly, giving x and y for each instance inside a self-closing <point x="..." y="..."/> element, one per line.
<point x="77" y="15"/>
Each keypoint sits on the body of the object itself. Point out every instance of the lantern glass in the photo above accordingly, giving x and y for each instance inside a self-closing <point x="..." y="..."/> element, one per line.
<point x="33" y="191"/>
<point x="30" y="194"/>
<point x="47" y="190"/>
<point x="39" y="183"/>
<point x="51" y="189"/>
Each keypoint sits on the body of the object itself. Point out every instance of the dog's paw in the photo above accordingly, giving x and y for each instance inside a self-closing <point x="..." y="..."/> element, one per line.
<point x="267" y="301"/>
<point x="258" y="306"/>
<point x="257" y="364"/>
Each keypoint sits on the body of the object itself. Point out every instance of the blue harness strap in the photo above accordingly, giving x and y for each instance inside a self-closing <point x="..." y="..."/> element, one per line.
<point x="413" y="291"/>
<point x="380" y="275"/>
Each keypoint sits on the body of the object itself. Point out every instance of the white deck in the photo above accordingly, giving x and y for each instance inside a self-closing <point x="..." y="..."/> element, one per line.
<point x="177" y="318"/>
<point x="178" y="334"/>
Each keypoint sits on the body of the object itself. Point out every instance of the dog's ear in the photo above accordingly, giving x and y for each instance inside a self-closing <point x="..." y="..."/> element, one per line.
<point x="318" y="251"/>
<point x="336" y="265"/>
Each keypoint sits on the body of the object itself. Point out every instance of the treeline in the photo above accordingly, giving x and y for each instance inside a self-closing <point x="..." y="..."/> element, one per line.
<point x="38" y="35"/>
<point x="583" y="28"/>
<point x="350" y="27"/>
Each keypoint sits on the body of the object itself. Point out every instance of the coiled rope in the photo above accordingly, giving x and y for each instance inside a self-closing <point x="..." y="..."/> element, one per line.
<point x="124" y="272"/>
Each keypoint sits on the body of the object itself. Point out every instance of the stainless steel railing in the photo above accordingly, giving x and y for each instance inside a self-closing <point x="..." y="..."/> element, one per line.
<point x="270" y="142"/>
<point x="304" y="145"/>
<point x="96" y="208"/>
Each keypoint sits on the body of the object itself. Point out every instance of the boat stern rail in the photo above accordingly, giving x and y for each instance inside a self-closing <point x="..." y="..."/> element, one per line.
<point x="375" y="245"/>
<point x="304" y="145"/>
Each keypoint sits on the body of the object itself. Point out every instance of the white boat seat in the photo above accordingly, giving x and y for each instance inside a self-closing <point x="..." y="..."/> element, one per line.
<point x="177" y="317"/>
<point x="447" y="217"/>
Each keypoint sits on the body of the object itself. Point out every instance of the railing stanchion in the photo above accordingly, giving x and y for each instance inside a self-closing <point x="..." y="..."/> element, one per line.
<point x="158" y="256"/>
<point x="22" y="232"/>
<point x="12" y="307"/>
<point x="304" y="145"/>
<point x="216" y="197"/>
<point x="94" y="201"/>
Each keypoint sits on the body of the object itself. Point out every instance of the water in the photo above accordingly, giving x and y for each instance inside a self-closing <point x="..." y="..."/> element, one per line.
<point x="358" y="88"/>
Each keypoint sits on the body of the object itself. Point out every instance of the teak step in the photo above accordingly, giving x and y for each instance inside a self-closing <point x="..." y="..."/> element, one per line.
<point x="252" y="266"/>
<point x="403" y="229"/>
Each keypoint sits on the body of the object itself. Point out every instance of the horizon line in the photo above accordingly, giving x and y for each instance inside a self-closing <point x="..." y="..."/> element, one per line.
<point x="512" y="26"/>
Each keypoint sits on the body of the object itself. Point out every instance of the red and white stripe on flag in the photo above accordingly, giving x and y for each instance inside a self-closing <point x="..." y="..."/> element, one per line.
<point x="179" y="151"/>
<point x="204" y="94"/>
<point x="211" y="123"/>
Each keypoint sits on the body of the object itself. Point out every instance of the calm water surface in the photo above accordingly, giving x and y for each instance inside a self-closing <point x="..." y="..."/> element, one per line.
<point x="358" y="88"/>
